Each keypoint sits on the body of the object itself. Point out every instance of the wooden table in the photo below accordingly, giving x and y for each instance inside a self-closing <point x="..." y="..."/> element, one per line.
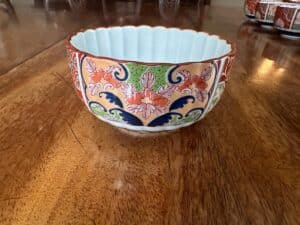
<point x="240" y="165"/>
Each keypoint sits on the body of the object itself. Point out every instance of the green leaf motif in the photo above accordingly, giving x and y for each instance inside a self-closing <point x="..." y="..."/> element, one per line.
<point x="137" y="70"/>
<point x="160" y="76"/>
<point x="100" y="112"/>
<point x="174" y="121"/>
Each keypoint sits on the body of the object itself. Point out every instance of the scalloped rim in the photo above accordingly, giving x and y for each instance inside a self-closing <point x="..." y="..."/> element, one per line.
<point x="231" y="53"/>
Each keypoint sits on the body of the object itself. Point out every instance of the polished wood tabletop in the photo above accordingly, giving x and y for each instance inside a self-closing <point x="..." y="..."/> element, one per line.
<point x="61" y="165"/>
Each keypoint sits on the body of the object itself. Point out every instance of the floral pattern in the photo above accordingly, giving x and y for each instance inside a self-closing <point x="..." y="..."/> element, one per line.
<point x="261" y="11"/>
<point x="265" y="12"/>
<point x="285" y="18"/>
<point x="146" y="101"/>
<point x="147" y="95"/>
<point x="250" y="7"/>
<point x="101" y="78"/>
<point x="196" y="84"/>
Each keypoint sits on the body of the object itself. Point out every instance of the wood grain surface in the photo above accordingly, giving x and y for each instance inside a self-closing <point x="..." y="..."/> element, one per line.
<point x="240" y="165"/>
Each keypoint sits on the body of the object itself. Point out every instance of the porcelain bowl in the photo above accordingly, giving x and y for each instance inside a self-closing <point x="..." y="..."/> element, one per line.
<point x="265" y="12"/>
<point x="287" y="20"/>
<point x="149" y="79"/>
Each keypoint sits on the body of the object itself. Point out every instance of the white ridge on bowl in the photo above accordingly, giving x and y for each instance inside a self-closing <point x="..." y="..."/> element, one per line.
<point x="151" y="44"/>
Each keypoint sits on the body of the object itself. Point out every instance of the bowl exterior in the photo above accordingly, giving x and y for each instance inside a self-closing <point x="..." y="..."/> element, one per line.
<point x="143" y="97"/>
<point x="287" y="19"/>
<point x="249" y="7"/>
<point x="265" y="12"/>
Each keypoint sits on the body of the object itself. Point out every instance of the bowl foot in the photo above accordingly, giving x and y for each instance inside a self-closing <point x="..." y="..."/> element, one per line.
<point x="290" y="37"/>
<point x="144" y="133"/>
<point x="251" y="18"/>
<point x="267" y="26"/>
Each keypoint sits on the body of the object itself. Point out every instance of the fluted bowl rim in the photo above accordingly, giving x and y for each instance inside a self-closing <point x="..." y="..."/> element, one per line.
<point x="230" y="53"/>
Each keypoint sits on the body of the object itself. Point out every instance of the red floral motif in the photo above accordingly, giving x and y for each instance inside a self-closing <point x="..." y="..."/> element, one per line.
<point x="147" y="96"/>
<point x="251" y="5"/>
<point x="195" y="84"/>
<point x="283" y="17"/>
<point x="200" y="82"/>
<point x="147" y="101"/>
<point x="187" y="79"/>
<point x="98" y="75"/>
<point x="105" y="75"/>
<point x="261" y="11"/>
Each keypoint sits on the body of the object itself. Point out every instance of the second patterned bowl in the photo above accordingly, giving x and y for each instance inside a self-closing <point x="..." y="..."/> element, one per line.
<point x="287" y="20"/>
<point x="149" y="79"/>
<point x="249" y="9"/>
<point x="265" y="12"/>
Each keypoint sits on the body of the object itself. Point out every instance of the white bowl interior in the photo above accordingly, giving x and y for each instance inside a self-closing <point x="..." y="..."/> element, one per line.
<point x="150" y="44"/>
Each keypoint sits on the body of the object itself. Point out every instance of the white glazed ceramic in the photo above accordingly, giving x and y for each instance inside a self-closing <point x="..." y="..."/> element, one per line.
<point x="149" y="78"/>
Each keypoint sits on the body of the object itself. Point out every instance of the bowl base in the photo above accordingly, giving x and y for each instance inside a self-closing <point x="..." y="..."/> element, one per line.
<point x="144" y="133"/>
<point x="251" y="18"/>
<point x="290" y="37"/>
<point x="267" y="26"/>
<point x="289" y="34"/>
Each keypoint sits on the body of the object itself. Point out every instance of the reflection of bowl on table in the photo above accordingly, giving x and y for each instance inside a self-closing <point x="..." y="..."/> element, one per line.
<point x="265" y="12"/>
<point x="246" y="30"/>
<point x="279" y="52"/>
<point x="168" y="9"/>
<point x="287" y="20"/>
<point x="121" y="12"/>
<point x="149" y="78"/>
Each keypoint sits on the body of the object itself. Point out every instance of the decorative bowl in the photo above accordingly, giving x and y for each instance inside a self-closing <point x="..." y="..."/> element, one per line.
<point x="287" y="20"/>
<point x="249" y="8"/>
<point x="149" y="79"/>
<point x="265" y="12"/>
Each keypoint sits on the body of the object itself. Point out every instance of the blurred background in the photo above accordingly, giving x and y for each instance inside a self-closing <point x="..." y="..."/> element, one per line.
<point x="29" y="26"/>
